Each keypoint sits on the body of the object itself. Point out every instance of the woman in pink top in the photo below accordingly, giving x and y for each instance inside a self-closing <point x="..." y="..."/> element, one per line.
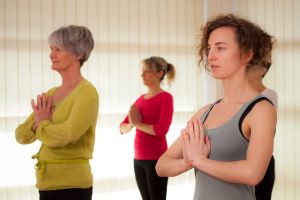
<point x="151" y="115"/>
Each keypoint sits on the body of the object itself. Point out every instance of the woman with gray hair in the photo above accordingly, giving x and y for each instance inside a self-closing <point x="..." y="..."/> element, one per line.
<point x="67" y="141"/>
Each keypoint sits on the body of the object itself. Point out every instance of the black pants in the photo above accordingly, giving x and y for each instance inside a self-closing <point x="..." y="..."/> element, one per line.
<point x="67" y="194"/>
<point x="263" y="191"/>
<point x="151" y="186"/>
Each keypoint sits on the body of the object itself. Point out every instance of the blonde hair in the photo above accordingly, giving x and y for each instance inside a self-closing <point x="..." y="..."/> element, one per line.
<point x="158" y="64"/>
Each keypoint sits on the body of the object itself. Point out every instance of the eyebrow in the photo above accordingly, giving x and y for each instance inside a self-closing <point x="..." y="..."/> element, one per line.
<point x="219" y="43"/>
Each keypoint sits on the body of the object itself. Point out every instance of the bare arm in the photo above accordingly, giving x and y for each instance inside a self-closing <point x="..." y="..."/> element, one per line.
<point x="251" y="170"/>
<point x="145" y="128"/>
<point x="174" y="162"/>
<point x="125" y="127"/>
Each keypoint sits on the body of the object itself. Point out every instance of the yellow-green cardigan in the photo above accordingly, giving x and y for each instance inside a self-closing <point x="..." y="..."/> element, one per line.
<point x="67" y="141"/>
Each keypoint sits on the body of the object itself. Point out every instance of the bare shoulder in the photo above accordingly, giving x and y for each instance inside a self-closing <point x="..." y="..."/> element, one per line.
<point x="263" y="110"/>
<point x="200" y="112"/>
<point x="264" y="107"/>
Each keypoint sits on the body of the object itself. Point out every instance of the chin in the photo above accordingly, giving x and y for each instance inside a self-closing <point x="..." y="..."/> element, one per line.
<point x="54" y="68"/>
<point x="217" y="76"/>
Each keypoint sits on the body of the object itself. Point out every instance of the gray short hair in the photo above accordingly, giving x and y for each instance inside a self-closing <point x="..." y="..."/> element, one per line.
<point x="76" y="39"/>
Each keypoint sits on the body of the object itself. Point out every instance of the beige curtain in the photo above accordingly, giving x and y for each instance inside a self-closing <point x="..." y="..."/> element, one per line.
<point x="125" y="32"/>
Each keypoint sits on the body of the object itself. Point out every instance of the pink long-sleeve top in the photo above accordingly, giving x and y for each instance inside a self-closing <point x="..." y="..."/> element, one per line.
<point x="156" y="111"/>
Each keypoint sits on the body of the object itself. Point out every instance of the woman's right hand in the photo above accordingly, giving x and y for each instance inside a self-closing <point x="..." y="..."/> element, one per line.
<point x="43" y="109"/>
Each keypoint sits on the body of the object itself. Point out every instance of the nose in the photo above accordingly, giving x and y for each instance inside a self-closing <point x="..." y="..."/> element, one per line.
<point x="51" y="55"/>
<point x="211" y="54"/>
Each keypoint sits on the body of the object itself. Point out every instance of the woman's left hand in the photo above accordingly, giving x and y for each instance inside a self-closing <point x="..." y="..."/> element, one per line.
<point x="196" y="144"/>
<point x="184" y="153"/>
<point x="134" y="115"/>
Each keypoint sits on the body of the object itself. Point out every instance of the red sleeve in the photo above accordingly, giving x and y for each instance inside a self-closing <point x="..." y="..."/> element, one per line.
<point x="126" y="120"/>
<point x="165" y="117"/>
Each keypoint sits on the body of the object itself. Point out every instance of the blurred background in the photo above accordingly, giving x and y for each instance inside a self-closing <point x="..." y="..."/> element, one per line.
<point x="126" y="32"/>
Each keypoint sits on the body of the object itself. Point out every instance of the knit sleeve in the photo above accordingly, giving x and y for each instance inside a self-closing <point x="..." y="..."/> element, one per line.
<point x="23" y="133"/>
<point x="83" y="114"/>
<point x="165" y="117"/>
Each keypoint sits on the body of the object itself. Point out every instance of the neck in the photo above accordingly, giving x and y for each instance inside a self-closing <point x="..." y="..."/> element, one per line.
<point x="71" y="77"/>
<point x="238" y="90"/>
<point x="152" y="90"/>
<point x="258" y="85"/>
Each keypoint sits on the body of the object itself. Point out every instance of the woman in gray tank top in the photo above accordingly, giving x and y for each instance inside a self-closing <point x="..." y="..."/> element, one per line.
<point x="228" y="143"/>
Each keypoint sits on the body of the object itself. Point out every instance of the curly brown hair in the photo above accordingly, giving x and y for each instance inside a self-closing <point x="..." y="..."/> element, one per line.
<point x="249" y="36"/>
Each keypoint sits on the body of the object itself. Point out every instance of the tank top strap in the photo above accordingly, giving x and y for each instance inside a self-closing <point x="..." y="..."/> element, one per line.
<point x="206" y="113"/>
<point x="248" y="107"/>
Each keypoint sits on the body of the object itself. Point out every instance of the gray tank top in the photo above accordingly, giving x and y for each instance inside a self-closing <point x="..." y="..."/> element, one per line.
<point x="227" y="144"/>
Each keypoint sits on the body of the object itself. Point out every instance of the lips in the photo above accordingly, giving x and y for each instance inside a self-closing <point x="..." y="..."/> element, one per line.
<point x="214" y="66"/>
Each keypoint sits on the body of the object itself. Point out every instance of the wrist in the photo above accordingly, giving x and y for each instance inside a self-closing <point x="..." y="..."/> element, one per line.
<point x="186" y="165"/>
<point x="137" y="124"/>
<point x="198" y="162"/>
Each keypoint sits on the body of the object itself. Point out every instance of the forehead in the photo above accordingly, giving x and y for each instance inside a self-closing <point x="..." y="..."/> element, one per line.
<point x="56" y="47"/>
<point x="146" y="67"/>
<point x="53" y="46"/>
<point x="57" y="44"/>
<point x="222" y="35"/>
